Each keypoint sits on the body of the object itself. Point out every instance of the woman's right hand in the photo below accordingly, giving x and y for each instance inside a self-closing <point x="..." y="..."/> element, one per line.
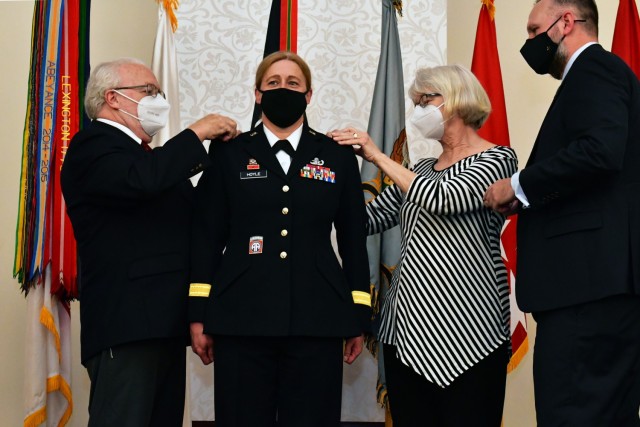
<point x="360" y="140"/>
<point x="201" y="343"/>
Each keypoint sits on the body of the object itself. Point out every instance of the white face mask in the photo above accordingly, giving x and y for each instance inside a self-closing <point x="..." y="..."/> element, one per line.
<point x="428" y="121"/>
<point x="153" y="112"/>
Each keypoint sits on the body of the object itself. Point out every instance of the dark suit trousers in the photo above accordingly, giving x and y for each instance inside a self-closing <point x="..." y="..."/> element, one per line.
<point x="475" y="398"/>
<point x="138" y="384"/>
<point x="297" y="381"/>
<point x="586" y="364"/>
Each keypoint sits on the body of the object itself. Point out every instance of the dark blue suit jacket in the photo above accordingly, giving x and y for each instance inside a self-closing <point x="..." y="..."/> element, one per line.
<point x="131" y="214"/>
<point x="580" y="240"/>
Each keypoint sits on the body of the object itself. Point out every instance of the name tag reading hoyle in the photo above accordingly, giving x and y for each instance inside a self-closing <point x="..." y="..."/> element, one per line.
<point x="253" y="174"/>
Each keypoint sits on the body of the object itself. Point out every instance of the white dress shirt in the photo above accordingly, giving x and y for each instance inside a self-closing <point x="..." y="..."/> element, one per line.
<point x="294" y="140"/>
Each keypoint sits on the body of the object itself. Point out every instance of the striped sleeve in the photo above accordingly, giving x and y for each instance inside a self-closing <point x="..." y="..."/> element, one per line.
<point x="383" y="211"/>
<point x="465" y="185"/>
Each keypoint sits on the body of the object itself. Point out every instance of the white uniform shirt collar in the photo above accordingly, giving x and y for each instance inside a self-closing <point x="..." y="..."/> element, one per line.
<point x="293" y="138"/>
<point x="123" y="128"/>
<point x="573" y="58"/>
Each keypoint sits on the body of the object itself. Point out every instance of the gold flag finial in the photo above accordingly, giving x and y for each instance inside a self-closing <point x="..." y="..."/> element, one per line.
<point x="170" y="6"/>
<point x="491" y="8"/>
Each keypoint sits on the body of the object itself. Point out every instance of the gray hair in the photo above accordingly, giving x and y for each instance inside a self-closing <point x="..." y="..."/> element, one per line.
<point x="103" y="77"/>
<point x="463" y="94"/>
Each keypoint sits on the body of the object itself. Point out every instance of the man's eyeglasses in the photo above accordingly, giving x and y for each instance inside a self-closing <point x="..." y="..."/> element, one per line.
<point x="149" y="89"/>
<point x="426" y="98"/>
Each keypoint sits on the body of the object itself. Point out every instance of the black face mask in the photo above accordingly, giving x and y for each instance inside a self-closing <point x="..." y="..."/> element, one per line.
<point x="540" y="50"/>
<point x="283" y="107"/>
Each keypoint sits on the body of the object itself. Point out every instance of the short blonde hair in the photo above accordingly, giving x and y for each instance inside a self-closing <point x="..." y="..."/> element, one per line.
<point x="281" y="55"/>
<point x="104" y="76"/>
<point x="463" y="94"/>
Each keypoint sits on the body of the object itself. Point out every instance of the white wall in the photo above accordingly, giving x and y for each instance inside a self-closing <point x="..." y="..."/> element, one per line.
<point x="127" y="28"/>
<point x="14" y="49"/>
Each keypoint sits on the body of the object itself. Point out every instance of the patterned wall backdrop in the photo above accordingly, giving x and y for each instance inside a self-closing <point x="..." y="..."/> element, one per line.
<point x="219" y="45"/>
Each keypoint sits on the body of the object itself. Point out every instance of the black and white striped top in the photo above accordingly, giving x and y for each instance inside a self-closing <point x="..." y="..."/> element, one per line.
<point x="448" y="303"/>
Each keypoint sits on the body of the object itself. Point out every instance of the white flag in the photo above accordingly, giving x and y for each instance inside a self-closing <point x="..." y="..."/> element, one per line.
<point x="47" y="390"/>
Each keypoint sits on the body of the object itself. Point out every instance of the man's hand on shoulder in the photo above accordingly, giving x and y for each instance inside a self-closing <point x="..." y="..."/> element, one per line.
<point x="215" y="126"/>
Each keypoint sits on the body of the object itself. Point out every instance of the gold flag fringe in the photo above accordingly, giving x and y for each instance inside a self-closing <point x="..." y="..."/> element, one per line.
<point x="491" y="8"/>
<point x="170" y="6"/>
<point x="37" y="418"/>
<point x="398" y="5"/>
<point x="388" y="422"/>
<point x="370" y="340"/>
<point x="55" y="383"/>
<point x="46" y="319"/>
<point x="58" y="383"/>
<point x="381" y="394"/>
<point x="517" y="357"/>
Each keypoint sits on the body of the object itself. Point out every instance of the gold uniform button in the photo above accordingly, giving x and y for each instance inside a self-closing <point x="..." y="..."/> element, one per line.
<point x="285" y="189"/>
<point x="284" y="233"/>
<point x="285" y="211"/>
<point x="283" y="255"/>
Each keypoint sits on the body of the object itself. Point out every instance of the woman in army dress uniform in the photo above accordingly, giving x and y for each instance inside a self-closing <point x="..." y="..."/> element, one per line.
<point x="268" y="292"/>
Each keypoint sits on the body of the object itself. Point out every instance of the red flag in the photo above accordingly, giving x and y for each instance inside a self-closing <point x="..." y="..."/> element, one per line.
<point x="486" y="66"/>
<point x="60" y="238"/>
<point x="282" y="30"/>
<point x="626" y="35"/>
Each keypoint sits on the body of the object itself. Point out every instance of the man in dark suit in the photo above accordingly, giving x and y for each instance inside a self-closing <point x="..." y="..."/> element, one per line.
<point x="267" y="287"/>
<point x="579" y="226"/>
<point x="130" y="208"/>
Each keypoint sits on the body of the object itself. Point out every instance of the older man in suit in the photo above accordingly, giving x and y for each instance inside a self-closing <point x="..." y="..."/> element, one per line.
<point x="130" y="208"/>
<point x="579" y="226"/>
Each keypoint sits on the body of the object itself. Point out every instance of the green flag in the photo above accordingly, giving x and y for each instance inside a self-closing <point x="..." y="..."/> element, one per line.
<point x="386" y="127"/>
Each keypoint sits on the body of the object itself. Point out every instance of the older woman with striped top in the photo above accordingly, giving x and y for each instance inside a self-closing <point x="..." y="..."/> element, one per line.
<point x="445" y="319"/>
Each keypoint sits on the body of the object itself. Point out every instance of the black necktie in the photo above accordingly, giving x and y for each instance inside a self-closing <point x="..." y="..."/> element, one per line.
<point x="285" y="146"/>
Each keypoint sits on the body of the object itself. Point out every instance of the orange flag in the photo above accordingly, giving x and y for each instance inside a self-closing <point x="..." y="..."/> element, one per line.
<point x="626" y="35"/>
<point x="486" y="66"/>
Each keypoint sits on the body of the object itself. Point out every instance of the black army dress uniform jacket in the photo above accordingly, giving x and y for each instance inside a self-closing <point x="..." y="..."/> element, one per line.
<point x="278" y="274"/>
<point x="580" y="239"/>
<point x="131" y="212"/>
